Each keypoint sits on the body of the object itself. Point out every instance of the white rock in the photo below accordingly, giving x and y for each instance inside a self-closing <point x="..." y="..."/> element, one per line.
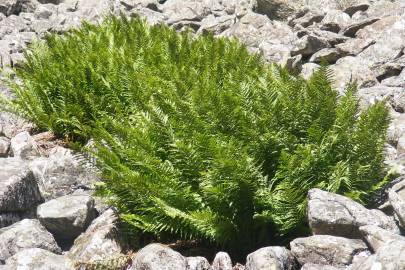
<point x="222" y="261"/>
<point x="24" y="146"/>
<point x="277" y="258"/>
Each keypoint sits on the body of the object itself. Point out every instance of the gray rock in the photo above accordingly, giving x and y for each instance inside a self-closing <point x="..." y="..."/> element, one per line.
<point x="68" y="216"/>
<point x="38" y="259"/>
<point x="308" y="69"/>
<point x="377" y="237"/>
<point x="62" y="172"/>
<point x="354" y="46"/>
<point x="335" y="20"/>
<point x="8" y="7"/>
<point x="337" y="215"/>
<point x="395" y="96"/>
<point x="355" y="8"/>
<point x="329" y="55"/>
<point x="309" y="44"/>
<point x="388" y="257"/>
<point x="352" y="29"/>
<point x="311" y="17"/>
<point x="11" y="125"/>
<point x="156" y="256"/>
<point x="276" y="9"/>
<point x="28" y="233"/>
<point x="326" y="249"/>
<point x="311" y="266"/>
<point x="101" y="240"/>
<point x="4" y="146"/>
<point x="222" y="261"/>
<point x="197" y="263"/>
<point x="399" y="207"/>
<point x="24" y="146"/>
<point x="216" y="25"/>
<point x="275" y="258"/>
<point x="18" y="188"/>
<point x="395" y="81"/>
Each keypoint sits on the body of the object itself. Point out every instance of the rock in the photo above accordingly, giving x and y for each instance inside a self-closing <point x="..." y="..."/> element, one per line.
<point x="311" y="266"/>
<point x="309" y="44"/>
<point x="238" y="266"/>
<point x="388" y="257"/>
<point x="38" y="259"/>
<point x="178" y="11"/>
<point x="28" y="233"/>
<point x="63" y="172"/>
<point x="18" y="189"/>
<point x="4" y="146"/>
<point x="308" y="69"/>
<point x="335" y="20"/>
<point x="11" y="125"/>
<point x="308" y="19"/>
<point x="395" y="96"/>
<point x="395" y="81"/>
<point x="377" y="237"/>
<point x="24" y="146"/>
<point x="44" y="12"/>
<point x="216" y="25"/>
<point x="337" y="215"/>
<point x="326" y="249"/>
<point x="355" y="8"/>
<point x="100" y="241"/>
<point x="197" y="263"/>
<point x="8" y="7"/>
<point x="156" y="256"/>
<point x="354" y="46"/>
<point x="399" y="207"/>
<point x="275" y="258"/>
<point x="276" y="9"/>
<point x="222" y="261"/>
<point x="68" y="216"/>
<point x="352" y="29"/>
<point x="328" y="55"/>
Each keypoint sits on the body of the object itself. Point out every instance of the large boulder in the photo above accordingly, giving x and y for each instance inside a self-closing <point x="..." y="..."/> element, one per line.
<point x="158" y="257"/>
<point x="68" y="216"/>
<point x="222" y="261"/>
<point x="101" y="240"/>
<point x="28" y="233"/>
<point x="198" y="263"/>
<point x="398" y="205"/>
<point x="377" y="237"/>
<point x="275" y="258"/>
<point x="38" y="259"/>
<point x="18" y="189"/>
<point x="337" y="215"/>
<point x="24" y="146"/>
<point x="326" y="249"/>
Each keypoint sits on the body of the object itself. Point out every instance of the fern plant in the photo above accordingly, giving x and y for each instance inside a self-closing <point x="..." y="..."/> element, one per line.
<point x="195" y="137"/>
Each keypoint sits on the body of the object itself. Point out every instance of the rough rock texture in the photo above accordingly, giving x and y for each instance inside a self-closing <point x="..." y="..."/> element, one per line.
<point x="4" y="146"/>
<point x="277" y="258"/>
<point x="197" y="263"/>
<point x="311" y="266"/>
<point x="68" y="216"/>
<point x="99" y="242"/>
<point x="222" y="261"/>
<point x="38" y="259"/>
<point x="18" y="188"/>
<point x="337" y="215"/>
<point x="377" y="237"/>
<point x="28" y="233"/>
<point x="156" y="256"/>
<point x="23" y="146"/>
<point x="326" y="249"/>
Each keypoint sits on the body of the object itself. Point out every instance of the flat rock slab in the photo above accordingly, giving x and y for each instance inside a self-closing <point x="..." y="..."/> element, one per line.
<point x="18" y="188"/>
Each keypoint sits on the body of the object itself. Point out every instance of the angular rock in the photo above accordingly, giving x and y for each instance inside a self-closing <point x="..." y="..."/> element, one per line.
<point x="4" y="146"/>
<point x="38" y="259"/>
<point x="377" y="237"/>
<point x="8" y="7"/>
<point x="399" y="207"/>
<point x="222" y="261"/>
<point x="395" y="81"/>
<point x="68" y="216"/>
<point x="355" y="8"/>
<point x="11" y="125"/>
<point x="329" y="55"/>
<point x="308" y="69"/>
<point x="216" y="25"/>
<point x="28" y="233"/>
<point x="277" y="258"/>
<point x="197" y="263"/>
<point x="24" y="146"/>
<point x="309" y="44"/>
<point x="308" y="19"/>
<point x="101" y="240"/>
<point x="276" y="9"/>
<point x="394" y="95"/>
<point x="337" y="215"/>
<point x="326" y="249"/>
<point x="18" y="189"/>
<point x="388" y="257"/>
<point x="156" y="256"/>
<point x="311" y="266"/>
<point x="352" y="29"/>
<point x="354" y="46"/>
<point x="62" y="172"/>
<point x="335" y="20"/>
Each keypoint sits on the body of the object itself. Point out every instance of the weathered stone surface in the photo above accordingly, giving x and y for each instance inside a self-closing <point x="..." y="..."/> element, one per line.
<point x="308" y="69"/>
<point x="388" y="257"/>
<point x="326" y="249"/>
<point x="24" y="146"/>
<point x="399" y="207"/>
<point x="100" y="241"/>
<point x="327" y="55"/>
<point x="222" y="261"/>
<point x="38" y="259"/>
<point x="394" y="95"/>
<point x="156" y="256"/>
<point x="335" y="20"/>
<point x="356" y="7"/>
<point x="4" y="146"/>
<point x="197" y="263"/>
<point x="337" y="215"/>
<point x="377" y="237"/>
<point x="62" y="172"/>
<point x="18" y="188"/>
<point x="311" y="266"/>
<point x="68" y="216"/>
<point x="275" y="258"/>
<point x="352" y="29"/>
<point x="309" y="44"/>
<point x="28" y="233"/>
<point x="276" y="9"/>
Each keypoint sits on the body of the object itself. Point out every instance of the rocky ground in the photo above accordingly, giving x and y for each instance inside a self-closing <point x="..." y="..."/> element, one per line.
<point x="48" y="219"/>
